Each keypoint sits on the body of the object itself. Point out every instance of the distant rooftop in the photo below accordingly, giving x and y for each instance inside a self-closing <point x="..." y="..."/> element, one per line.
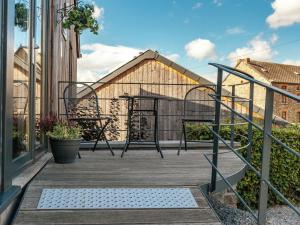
<point x="275" y="72"/>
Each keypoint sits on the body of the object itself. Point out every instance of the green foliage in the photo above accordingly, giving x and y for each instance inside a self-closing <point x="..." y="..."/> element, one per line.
<point x="113" y="126"/>
<point x="21" y="16"/>
<point x="63" y="131"/>
<point x="284" y="166"/>
<point x="81" y="17"/>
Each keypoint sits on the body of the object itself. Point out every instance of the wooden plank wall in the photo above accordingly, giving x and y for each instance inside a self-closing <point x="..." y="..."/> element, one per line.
<point x="151" y="78"/>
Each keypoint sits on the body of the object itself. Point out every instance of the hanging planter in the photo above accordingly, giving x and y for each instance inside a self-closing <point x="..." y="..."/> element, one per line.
<point x="21" y="16"/>
<point x="79" y="17"/>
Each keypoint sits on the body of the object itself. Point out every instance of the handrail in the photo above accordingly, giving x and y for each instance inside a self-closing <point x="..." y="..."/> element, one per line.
<point x="263" y="174"/>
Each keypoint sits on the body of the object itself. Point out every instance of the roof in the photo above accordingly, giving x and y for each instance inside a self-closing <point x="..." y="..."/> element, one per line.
<point x="149" y="54"/>
<point x="275" y="72"/>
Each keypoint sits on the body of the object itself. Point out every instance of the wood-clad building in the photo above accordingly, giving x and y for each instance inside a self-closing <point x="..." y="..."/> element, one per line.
<point x="148" y="74"/>
<point x="35" y="53"/>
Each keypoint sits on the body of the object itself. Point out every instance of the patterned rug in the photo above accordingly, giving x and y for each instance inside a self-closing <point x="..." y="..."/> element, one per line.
<point x="116" y="198"/>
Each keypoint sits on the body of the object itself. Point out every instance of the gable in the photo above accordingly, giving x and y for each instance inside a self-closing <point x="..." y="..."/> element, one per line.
<point x="133" y="64"/>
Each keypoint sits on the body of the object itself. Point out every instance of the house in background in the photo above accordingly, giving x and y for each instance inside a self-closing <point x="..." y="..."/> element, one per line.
<point x="286" y="77"/>
<point x="35" y="53"/>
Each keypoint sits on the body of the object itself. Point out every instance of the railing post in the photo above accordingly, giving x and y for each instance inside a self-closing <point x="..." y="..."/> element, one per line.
<point x="232" y="118"/>
<point x="266" y="154"/>
<point x="216" y="129"/>
<point x="250" y="117"/>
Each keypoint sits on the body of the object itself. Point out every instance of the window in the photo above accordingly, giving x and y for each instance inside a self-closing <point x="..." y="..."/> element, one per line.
<point x="21" y="79"/>
<point x="39" y="70"/>
<point x="284" y="115"/>
<point x="283" y="98"/>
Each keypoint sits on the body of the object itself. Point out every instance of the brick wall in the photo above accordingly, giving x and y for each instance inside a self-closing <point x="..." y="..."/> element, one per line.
<point x="285" y="107"/>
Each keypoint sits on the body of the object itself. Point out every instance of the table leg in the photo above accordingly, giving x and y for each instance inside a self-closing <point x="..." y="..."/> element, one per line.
<point x="156" y="130"/>
<point x="129" y="113"/>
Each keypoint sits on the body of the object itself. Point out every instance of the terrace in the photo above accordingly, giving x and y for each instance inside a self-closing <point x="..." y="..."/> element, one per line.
<point x="207" y="167"/>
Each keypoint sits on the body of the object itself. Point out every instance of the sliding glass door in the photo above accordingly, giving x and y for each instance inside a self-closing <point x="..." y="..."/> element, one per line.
<point x="28" y="75"/>
<point x="21" y="78"/>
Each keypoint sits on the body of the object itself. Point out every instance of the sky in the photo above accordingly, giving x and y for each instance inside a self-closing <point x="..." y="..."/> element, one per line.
<point x="191" y="32"/>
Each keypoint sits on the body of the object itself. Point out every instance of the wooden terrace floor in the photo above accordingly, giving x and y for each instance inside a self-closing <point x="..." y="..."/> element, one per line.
<point x="138" y="168"/>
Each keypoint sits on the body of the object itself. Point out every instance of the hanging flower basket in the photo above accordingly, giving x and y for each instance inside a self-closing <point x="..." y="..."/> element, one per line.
<point x="21" y="16"/>
<point x="79" y="17"/>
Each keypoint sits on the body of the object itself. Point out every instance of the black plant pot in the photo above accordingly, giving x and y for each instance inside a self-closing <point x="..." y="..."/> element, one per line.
<point x="64" y="151"/>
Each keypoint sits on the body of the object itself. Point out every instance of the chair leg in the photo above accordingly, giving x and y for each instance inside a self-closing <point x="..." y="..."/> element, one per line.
<point x="125" y="148"/>
<point x="159" y="149"/>
<point x="96" y="142"/>
<point x="181" y="136"/>
<point x="184" y="134"/>
<point x="108" y="145"/>
<point x="79" y="156"/>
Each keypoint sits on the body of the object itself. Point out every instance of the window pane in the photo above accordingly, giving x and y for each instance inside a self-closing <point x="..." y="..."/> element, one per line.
<point x="21" y="78"/>
<point x="38" y="67"/>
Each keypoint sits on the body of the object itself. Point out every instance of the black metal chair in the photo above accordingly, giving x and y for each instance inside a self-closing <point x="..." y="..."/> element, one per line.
<point x="85" y="112"/>
<point x="198" y="107"/>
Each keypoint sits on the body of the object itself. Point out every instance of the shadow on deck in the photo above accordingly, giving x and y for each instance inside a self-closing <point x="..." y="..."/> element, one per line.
<point x="138" y="168"/>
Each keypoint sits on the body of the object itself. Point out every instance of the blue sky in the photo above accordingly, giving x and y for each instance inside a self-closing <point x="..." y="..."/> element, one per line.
<point x="192" y="33"/>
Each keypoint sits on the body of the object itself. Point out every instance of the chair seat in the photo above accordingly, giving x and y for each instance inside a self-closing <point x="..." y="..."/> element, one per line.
<point x="196" y="120"/>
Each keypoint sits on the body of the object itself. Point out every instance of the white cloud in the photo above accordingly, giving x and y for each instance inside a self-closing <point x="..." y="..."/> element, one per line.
<point x="292" y="62"/>
<point x="257" y="48"/>
<point x="200" y="49"/>
<point x="98" y="12"/>
<point x="218" y="2"/>
<point x="235" y="30"/>
<point x="173" y="57"/>
<point x="286" y="13"/>
<point x="99" y="59"/>
<point x="197" y="5"/>
<point x="273" y="39"/>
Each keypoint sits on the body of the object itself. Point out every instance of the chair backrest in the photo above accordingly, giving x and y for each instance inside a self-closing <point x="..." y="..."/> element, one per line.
<point x="198" y="105"/>
<point x="20" y="96"/>
<point x="84" y="107"/>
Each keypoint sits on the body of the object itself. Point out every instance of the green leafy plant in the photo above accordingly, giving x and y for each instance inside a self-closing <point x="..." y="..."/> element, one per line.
<point x="81" y="17"/>
<point x="21" y="16"/>
<point x="284" y="167"/>
<point x="62" y="131"/>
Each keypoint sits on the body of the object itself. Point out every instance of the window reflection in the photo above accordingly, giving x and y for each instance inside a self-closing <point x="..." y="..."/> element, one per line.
<point x="38" y="67"/>
<point x="21" y="78"/>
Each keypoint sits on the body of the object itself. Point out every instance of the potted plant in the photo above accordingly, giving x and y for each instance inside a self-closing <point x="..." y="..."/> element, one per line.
<point x="65" y="142"/>
<point x="80" y="17"/>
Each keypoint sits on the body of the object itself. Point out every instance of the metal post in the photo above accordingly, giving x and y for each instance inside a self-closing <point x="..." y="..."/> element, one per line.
<point x="250" y="117"/>
<point x="266" y="154"/>
<point x="216" y="129"/>
<point x="232" y="117"/>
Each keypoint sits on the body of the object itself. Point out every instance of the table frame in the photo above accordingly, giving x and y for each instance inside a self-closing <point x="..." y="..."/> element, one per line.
<point x="131" y="110"/>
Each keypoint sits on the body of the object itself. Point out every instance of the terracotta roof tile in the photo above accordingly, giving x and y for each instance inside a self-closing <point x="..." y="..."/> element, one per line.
<point x="275" y="72"/>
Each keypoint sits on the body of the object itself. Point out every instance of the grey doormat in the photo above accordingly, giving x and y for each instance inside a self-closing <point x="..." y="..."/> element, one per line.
<point x="116" y="198"/>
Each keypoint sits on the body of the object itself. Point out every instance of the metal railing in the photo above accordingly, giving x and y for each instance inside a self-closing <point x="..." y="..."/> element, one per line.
<point x="171" y="109"/>
<point x="268" y="138"/>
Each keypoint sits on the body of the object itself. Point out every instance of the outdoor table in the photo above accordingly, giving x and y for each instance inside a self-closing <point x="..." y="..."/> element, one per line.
<point x="153" y="111"/>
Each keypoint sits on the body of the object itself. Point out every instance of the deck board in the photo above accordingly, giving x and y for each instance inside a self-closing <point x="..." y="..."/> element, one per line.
<point x="139" y="168"/>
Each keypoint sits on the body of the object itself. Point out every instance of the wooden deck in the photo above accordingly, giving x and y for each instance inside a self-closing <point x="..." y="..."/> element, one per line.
<point x="139" y="168"/>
